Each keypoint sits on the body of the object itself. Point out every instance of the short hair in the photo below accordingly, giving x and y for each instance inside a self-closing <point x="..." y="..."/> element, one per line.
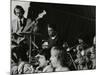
<point x="63" y="56"/>
<point x="20" y="8"/>
<point x="52" y="26"/>
<point x="46" y="53"/>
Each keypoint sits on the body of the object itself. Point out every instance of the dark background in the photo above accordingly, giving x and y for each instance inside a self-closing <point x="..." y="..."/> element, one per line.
<point x="70" y="21"/>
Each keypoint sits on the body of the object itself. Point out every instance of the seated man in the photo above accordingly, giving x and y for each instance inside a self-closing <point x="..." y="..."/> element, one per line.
<point x="43" y="59"/>
<point x="60" y="60"/>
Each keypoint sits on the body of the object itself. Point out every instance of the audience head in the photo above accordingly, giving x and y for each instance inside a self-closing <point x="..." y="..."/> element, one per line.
<point x="80" y="40"/>
<point x="43" y="57"/>
<point x="94" y="40"/>
<point x="59" y="57"/>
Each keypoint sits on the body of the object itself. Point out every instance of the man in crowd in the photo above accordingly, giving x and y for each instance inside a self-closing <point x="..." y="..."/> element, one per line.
<point x="44" y="63"/>
<point x="91" y="55"/>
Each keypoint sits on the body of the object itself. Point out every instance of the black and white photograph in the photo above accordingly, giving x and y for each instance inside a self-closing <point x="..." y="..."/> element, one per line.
<point x="52" y="37"/>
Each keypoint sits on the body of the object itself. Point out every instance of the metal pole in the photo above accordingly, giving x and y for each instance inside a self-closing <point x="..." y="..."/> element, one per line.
<point x="30" y="49"/>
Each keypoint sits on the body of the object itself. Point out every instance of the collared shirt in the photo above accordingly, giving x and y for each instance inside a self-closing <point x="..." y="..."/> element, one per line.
<point x="22" y="20"/>
<point x="20" y="24"/>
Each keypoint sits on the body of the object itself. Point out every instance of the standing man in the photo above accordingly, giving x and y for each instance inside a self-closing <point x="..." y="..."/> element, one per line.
<point x="18" y="24"/>
<point x="17" y="27"/>
<point x="52" y="39"/>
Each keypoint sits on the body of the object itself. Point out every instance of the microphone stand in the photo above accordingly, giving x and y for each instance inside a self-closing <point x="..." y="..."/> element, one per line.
<point x="32" y="31"/>
<point x="30" y="38"/>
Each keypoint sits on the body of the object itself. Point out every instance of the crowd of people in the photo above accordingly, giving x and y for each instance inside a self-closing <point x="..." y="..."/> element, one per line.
<point x="52" y="56"/>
